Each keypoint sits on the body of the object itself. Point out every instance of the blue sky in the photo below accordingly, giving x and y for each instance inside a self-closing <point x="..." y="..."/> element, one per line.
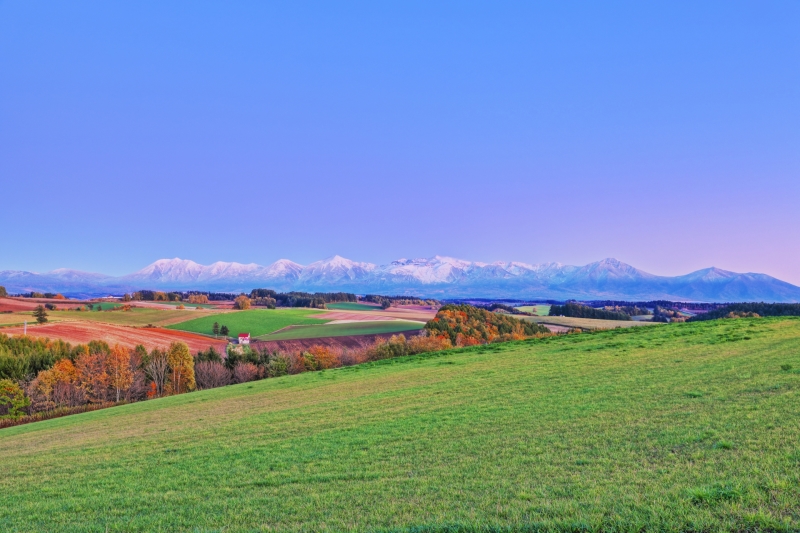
<point x="665" y="134"/>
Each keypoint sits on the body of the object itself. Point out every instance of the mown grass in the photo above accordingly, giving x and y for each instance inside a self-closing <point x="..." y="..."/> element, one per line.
<point x="343" y="330"/>
<point x="604" y="431"/>
<point x="539" y="310"/>
<point x="256" y="322"/>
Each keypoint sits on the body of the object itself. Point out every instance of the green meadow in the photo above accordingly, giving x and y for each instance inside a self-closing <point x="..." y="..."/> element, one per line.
<point x="674" y="427"/>
<point x="343" y="330"/>
<point x="254" y="321"/>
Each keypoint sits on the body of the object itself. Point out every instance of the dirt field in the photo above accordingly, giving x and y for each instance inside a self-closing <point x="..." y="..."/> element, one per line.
<point x="83" y="332"/>
<point x="406" y="312"/>
<point x="299" y="345"/>
<point x="29" y="304"/>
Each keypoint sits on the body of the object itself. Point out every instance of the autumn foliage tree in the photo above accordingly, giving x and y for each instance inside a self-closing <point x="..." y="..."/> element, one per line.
<point x="242" y="302"/>
<point x="181" y="366"/>
<point x="118" y="367"/>
<point x="12" y="399"/>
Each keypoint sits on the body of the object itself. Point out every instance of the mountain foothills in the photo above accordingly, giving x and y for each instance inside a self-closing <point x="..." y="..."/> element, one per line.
<point x="435" y="277"/>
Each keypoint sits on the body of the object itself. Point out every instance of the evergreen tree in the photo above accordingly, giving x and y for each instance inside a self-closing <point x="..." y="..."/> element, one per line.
<point x="40" y="314"/>
<point x="3" y="292"/>
<point x="224" y="330"/>
<point x="215" y="328"/>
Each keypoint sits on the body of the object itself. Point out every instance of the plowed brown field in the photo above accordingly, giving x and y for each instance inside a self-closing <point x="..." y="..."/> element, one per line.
<point x="29" y="304"/>
<point x="83" y="332"/>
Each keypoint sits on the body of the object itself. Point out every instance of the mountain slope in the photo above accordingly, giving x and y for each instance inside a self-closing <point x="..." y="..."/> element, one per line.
<point x="439" y="276"/>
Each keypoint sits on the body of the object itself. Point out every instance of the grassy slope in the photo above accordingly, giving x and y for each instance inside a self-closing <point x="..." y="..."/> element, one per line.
<point x="353" y="306"/>
<point x="343" y="330"/>
<point x="254" y="321"/>
<point x="679" y="426"/>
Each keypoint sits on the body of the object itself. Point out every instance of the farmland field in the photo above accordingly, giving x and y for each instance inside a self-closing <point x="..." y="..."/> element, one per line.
<point x="353" y="306"/>
<point x="134" y="317"/>
<point x="538" y="310"/>
<point x="585" y="323"/>
<point x="254" y="321"/>
<point x="343" y="330"/>
<point x="674" y="427"/>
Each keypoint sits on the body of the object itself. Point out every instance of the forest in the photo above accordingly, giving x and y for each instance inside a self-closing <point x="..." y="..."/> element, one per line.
<point x="466" y="325"/>
<point x="271" y="299"/>
<point x="576" y="310"/>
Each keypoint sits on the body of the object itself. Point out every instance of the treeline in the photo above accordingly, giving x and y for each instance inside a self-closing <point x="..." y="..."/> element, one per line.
<point x="665" y="314"/>
<point x="466" y="325"/>
<point x="749" y="309"/>
<point x="576" y="310"/>
<point x="667" y="304"/>
<point x="193" y="297"/>
<point x="50" y="295"/>
<point x="630" y="310"/>
<point x="388" y="301"/>
<point x="503" y="307"/>
<point x="42" y="376"/>
<point x="271" y="299"/>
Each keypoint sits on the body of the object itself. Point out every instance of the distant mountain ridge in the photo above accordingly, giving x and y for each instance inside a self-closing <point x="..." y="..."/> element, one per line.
<point x="438" y="276"/>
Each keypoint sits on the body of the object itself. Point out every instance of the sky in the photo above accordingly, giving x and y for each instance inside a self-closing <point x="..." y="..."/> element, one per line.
<point x="664" y="134"/>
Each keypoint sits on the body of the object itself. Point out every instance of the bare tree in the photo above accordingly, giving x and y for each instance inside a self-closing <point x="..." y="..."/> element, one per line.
<point x="211" y="374"/>
<point x="157" y="369"/>
<point x="244" y="372"/>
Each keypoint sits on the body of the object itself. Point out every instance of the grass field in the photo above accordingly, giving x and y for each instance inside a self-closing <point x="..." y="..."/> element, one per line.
<point x="539" y="310"/>
<point x="134" y="317"/>
<point x="254" y="321"/>
<point x="13" y="319"/>
<point x="353" y="306"/>
<point x="585" y="323"/>
<point x="342" y="330"/>
<point x="676" y="427"/>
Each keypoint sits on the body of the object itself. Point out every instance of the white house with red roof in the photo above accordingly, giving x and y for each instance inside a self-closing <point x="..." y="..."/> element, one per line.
<point x="244" y="338"/>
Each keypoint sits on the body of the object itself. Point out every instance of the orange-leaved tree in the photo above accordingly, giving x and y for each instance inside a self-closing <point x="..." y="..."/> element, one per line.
<point x="118" y="367"/>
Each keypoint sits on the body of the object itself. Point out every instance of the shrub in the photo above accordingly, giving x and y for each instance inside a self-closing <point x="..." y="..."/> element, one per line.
<point x="244" y="372"/>
<point x="278" y="365"/>
<point x="211" y="374"/>
<point x="324" y="357"/>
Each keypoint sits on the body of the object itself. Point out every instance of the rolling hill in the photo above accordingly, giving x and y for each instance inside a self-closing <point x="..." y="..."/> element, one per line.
<point x="676" y="427"/>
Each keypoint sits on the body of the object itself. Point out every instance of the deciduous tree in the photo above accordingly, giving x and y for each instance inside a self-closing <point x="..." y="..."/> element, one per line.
<point x="157" y="369"/>
<point x="181" y="367"/>
<point x="12" y="399"/>
<point x="118" y="366"/>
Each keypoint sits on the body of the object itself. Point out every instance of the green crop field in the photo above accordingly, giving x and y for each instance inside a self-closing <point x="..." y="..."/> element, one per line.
<point x="674" y="427"/>
<point x="343" y="330"/>
<point x="253" y="321"/>
<point x="539" y="310"/>
<point x="353" y="306"/>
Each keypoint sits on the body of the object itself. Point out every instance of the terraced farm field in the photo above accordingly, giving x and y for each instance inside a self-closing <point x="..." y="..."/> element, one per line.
<point x="674" y="427"/>
<point x="256" y="322"/>
<point x="353" y="306"/>
<point x="134" y="317"/>
<point x="343" y="330"/>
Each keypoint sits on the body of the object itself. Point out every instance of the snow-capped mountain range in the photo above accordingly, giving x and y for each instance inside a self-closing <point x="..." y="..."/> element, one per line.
<point x="440" y="277"/>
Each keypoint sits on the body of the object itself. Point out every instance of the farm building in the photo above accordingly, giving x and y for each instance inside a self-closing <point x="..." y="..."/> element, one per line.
<point x="244" y="338"/>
